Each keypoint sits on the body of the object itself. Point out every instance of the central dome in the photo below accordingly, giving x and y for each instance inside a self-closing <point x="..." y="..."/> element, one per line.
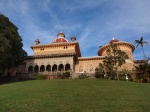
<point x="60" y="38"/>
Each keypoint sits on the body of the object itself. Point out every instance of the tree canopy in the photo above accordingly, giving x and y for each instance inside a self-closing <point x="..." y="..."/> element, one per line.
<point x="142" y="72"/>
<point x="115" y="58"/>
<point x="11" y="51"/>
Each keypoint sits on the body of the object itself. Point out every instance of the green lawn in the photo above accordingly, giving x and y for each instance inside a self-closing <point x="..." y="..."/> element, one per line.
<point x="90" y="95"/>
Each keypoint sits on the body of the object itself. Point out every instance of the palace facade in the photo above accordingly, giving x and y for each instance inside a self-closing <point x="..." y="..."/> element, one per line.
<point x="62" y="55"/>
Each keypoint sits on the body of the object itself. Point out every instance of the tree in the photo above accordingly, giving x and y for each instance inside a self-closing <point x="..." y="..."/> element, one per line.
<point x="99" y="71"/>
<point x="108" y="63"/>
<point x="141" y="43"/>
<point x="115" y="58"/>
<point x="11" y="52"/>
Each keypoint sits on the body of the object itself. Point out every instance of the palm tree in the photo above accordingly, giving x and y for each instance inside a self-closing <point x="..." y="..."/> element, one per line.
<point x="141" y="43"/>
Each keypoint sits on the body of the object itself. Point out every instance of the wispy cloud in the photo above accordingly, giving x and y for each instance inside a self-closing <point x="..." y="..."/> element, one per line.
<point x="79" y="5"/>
<point x="94" y="23"/>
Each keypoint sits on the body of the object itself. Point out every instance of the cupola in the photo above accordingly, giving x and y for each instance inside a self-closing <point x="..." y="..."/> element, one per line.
<point x="113" y="40"/>
<point x="60" y="38"/>
<point x="61" y="34"/>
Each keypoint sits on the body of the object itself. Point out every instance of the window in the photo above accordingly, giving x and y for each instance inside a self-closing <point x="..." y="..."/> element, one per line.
<point x="65" y="47"/>
<point x="91" y="69"/>
<point x="42" y="49"/>
<point x="80" y="69"/>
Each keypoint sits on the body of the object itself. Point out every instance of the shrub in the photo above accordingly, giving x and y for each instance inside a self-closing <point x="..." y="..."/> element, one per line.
<point x="40" y="77"/>
<point x="82" y="76"/>
<point x="99" y="75"/>
<point x="59" y="76"/>
<point x="112" y="75"/>
<point x="66" y="75"/>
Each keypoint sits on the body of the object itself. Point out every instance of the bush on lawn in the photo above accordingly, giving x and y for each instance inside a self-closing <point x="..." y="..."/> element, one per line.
<point x="83" y="76"/>
<point x="40" y="77"/>
<point x="66" y="75"/>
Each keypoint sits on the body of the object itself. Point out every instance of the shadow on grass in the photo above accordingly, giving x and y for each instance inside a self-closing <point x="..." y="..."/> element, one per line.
<point x="12" y="79"/>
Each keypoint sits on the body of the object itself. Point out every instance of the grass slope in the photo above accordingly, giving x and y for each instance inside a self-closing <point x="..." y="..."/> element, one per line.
<point x="75" y="96"/>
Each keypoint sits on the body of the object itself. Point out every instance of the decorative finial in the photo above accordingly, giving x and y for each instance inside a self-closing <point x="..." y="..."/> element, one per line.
<point x="113" y="38"/>
<point x="37" y="41"/>
<point x="73" y="38"/>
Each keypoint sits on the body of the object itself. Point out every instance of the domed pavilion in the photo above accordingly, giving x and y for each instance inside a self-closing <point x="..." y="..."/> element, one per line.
<point x="62" y="55"/>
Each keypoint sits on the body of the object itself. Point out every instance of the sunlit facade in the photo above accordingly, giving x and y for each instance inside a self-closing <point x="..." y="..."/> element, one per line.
<point x="62" y="55"/>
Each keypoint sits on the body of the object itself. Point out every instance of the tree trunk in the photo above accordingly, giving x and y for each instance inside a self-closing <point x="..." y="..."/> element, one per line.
<point x="144" y="54"/>
<point x="117" y="76"/>
<point x="117" y="73"/>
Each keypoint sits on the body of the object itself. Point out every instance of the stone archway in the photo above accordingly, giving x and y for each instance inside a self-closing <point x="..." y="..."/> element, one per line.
<point x="67" y="67"/>
<point x="30" y="69"/>
<point x="61" y="67"/>
<point x="48" y="68"/>
<point x="42" y="68"/>
<point x="36" y="68"/>
<point x="54" y="68"/>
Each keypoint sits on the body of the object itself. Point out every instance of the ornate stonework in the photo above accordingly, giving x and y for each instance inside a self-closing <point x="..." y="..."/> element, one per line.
<point x="61" y="55"/>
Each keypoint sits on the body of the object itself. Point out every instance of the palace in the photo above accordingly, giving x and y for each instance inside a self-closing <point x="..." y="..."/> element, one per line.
<point x="63" y="55"/>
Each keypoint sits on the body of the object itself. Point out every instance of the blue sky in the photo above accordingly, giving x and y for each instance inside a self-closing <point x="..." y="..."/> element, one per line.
<point x="93" y="22"/>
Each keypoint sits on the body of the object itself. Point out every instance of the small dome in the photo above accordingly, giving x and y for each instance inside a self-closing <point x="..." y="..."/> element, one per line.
<point x="61" y="34"/>
<point x="60" y="38"/>
<point x="113" y="40"/>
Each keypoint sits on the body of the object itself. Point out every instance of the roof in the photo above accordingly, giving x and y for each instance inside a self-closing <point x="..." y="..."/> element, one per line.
<point x="91" y="58"/>
<point x="60" y="39"/>
<point x="51" y="55"/>
<point x="103" y="48"/>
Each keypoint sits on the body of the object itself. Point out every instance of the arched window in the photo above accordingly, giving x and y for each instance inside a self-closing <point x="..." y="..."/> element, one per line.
<point x="67" y="67"/>
<point x="61" y="67"/>
<point x="91" y="69"/>
<point x="36" y="68"/>
<point x="30" y="69"/>
<point x="42" y="68"/>
<point x="54" y="68"/>
<point x="48" y="68"/>
<point x="80" y="69"/>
